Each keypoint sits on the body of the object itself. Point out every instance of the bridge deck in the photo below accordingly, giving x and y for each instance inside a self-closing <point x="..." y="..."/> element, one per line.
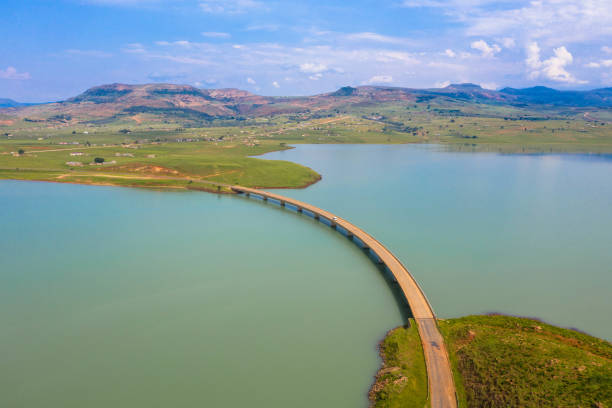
<point x="441" y="386"/>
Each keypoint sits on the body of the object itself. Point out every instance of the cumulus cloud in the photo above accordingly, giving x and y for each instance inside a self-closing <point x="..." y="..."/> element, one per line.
<point x="486" y="49"/>
<point x="313" y="68"/>
<point x="603" y="63"/>
<point x="489" y="85"/>
<point x="442" y="84"/>
<point x="275" y="84"/>
<point x="379" y="79"/>
<point x="508" y="42"/>
<point x="553" y="68"/>
<point x="251" y="81"/>
<point x="12" y="73"/>
<point x="450" y="53"/>
<point x="606" y="49"/>
<point x="544" y="20"/>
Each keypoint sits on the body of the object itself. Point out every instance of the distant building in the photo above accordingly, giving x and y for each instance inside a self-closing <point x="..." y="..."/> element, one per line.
<point x="76" y="154"/>
<point x="74" y="163"/>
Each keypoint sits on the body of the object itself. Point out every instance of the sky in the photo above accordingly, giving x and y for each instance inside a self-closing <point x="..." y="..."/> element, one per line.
<point x="54" y="49"/>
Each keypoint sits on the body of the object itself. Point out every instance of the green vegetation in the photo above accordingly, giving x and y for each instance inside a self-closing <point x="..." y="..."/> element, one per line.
<point x="213" y="140"/>
<point x="500" y="361"/>
<point x="402" y="381"/>
<point x="503" y="361"/>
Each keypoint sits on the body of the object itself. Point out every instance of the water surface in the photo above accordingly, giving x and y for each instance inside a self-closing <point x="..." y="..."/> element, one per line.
<point x="132" y="298"/>
<point x="528" y="235"/>
<point x="116" y="297"/>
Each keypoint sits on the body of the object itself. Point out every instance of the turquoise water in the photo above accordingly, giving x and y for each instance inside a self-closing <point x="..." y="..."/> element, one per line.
<point x="529" y="235"/>
<point x="115" y="297"/>
<point x="132" y="298"/>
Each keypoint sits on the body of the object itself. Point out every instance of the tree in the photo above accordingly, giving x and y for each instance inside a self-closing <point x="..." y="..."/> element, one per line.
<point x="99" y="160"/>
<point x="21" y="152"/>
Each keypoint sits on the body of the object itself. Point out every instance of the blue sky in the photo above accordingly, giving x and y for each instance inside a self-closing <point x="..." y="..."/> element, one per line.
<point x="53" y="49"/>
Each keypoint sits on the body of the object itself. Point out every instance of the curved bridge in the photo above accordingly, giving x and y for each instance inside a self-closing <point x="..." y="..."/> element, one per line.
<point x="440" y="379"/>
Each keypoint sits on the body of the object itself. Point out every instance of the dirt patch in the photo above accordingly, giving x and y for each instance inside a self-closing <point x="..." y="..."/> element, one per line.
<point x="147" y="169"/>
<point x="7" y="122"/>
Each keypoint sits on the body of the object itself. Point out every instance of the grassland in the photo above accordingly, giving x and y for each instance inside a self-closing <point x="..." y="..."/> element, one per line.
<point x="144" y="150"/>
<point x="402" y="381"/>
<point x="500" y="361"/>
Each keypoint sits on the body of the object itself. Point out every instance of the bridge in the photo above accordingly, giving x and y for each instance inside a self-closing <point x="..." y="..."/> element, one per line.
<point x="439" y="376"/>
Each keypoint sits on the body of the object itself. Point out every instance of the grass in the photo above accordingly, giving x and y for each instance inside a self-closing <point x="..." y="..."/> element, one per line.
<point x="500" y="361"/>
<point x="402" y="381"/>
<point x="503" y="361"/>
<point x="226" y="153"/>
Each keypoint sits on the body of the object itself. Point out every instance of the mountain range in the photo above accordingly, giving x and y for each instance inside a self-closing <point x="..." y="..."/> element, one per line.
<point x="184" y="102"/>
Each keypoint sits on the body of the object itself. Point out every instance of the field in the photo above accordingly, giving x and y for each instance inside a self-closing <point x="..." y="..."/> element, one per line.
<point x="145" y="151"/>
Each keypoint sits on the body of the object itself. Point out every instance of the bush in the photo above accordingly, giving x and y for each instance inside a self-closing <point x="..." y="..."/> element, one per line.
<point x="99" y="160"/>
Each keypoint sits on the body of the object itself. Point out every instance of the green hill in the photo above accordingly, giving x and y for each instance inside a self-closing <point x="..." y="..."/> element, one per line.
<point x="502" y="361"/>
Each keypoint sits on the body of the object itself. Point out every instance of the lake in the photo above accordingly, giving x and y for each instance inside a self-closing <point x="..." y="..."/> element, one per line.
<point x="123" y="297"/>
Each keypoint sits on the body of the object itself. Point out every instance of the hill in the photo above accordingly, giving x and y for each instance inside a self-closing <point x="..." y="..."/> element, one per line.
<point x="188" y="105"/>
<point x="502" y="361"/>
<point x="9" y="103"/>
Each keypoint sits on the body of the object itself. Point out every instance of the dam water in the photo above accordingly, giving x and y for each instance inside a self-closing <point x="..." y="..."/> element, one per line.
<point x="128" y="298"/>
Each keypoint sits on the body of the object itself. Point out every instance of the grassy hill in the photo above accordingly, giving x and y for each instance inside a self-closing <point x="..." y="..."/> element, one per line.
<point x="189" y="105"/>
<point x="501" y="361"/>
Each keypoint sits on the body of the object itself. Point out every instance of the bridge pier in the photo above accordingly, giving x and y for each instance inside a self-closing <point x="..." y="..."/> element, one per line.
<point x="299" y="209"/>
<point x="282" y="203"/>
<point x="334" y="225"/>
<point x="265" y="198"/>
<point x="316" y="217"/>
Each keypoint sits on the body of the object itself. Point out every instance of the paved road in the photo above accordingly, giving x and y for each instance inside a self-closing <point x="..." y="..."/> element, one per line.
<point x="440" y="379"/>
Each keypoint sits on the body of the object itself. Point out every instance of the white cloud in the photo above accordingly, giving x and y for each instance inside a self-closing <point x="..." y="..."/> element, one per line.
<point x="313" y="68"/>
<point x="134" y="48"/>
<point x="489" y="85"/>
<point x="450" y="53"/>
<point x="180" y="43"/>
<point x="552" y="68"/>
<point x="215" y="34"/>
<point x="126" y="3"/>
<point x="251" y="81"/>
<point x="229" y="6"/>
<point x="12" y="73"/>
<point x="442" y="84"/>
<point x="316" y="76"/>
<point x="603" y="63"/>
<point x="379" y="79"/>
<point x="375" y="37"/>
<point x="606" y="49"/>
<point x="549" y="21"/>
<point x="508" y="42"/>
<point x="90" y="53"/>
<point x="275" y="84"/>
<point x="263" y="27"/>
<point x="486" y="49"/>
